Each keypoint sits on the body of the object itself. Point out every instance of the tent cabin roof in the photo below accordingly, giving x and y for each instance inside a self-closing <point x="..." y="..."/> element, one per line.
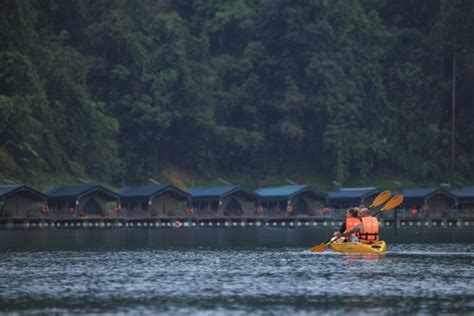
<point x="76" y="191"/>
<point x="419" y="195"/>
<point x="12" y="189"/>
<point x="219" y="192"/>
<point x="351" y="195"/>
<point x="464" y="194"/>
<point x="150" y="191"/>
<point x="287" y="192"/>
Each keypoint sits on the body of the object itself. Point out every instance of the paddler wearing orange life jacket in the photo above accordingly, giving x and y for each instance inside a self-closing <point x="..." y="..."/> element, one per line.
<point x="367" y="230"/>
<point x="352" y="219"/>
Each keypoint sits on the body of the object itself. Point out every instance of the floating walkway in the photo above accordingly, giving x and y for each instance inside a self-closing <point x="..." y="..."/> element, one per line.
<point x="196" y="223"/>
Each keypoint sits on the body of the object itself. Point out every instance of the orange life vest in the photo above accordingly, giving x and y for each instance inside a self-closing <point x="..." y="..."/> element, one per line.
<point x="370" y="227"/>
<point x="350" y="223"/>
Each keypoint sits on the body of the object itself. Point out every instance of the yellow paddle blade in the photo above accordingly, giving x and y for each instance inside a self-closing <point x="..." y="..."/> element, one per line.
<point x="381" y="198"/>
<point x="393" y="203"/>
<point x="324" y="246"/>
<point x="320" y="248"/>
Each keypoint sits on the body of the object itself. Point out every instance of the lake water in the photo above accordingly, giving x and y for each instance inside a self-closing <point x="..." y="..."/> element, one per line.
<point x="229" y="271"/>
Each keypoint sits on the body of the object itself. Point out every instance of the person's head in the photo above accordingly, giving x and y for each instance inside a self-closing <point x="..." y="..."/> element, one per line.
<point x="364" y="212"/>
<point x="353" y="212"/>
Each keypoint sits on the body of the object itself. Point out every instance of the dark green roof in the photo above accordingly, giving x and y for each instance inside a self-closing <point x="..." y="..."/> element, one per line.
<point x="465" y="194"/>
<point x="147" y="191"/>
<point x="351" y="196"/>
<point x="9" y="190"/>
<point x="419" y="195"/>
<point x="287" y="192"/>
<point x="218" y="192"/>
<point x="75" y="191"/>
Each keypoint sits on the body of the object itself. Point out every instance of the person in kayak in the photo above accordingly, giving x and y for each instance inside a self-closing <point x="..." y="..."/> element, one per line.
<point x="367" y="230"/>
<point x="352" y="219"/>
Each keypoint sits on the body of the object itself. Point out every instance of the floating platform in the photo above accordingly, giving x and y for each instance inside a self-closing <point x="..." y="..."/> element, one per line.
<point x="186" y="223"/>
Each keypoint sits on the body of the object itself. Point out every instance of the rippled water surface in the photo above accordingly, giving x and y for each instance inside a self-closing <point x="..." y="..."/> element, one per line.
<point x="146" y="278"/>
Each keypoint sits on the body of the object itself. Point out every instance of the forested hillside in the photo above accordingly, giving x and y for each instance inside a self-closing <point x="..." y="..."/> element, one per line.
<point x="115" y="90"/>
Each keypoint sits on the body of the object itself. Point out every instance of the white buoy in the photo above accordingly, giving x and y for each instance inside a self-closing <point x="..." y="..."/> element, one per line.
<point x="66" y="224"/>
<point x="325" y="224"/>
<point x="274" y="223"/>
<point x="242" y="224"/>
<point x="218" y="224"/>
<point x="292" y="224"/>
<point x="139" y="224"/>
<point x="315" y="224"/>
<point x="258" y="224"/>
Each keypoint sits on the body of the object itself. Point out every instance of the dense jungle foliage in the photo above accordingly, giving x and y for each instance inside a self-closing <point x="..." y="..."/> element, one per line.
<point x="115" y="90"/>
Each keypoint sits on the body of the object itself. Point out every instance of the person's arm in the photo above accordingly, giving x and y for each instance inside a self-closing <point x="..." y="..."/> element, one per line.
<point x="353" y="230"/>
<point x="343" y="228"/>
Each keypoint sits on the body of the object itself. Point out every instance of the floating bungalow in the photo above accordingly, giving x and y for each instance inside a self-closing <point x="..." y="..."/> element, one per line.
<point x="433" y="202"/>
<point x="225" y="200"/>
<point x="291" y="200"/>
<point x="351" y="197"/>
<point x="83" y="200"/>
<point x="21" y="201"/>
<point x="155" y="201"/>
<point x="465" y="198"/>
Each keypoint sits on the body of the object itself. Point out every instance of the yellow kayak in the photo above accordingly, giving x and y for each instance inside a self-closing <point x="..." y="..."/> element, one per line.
<point x="358" y="247"/>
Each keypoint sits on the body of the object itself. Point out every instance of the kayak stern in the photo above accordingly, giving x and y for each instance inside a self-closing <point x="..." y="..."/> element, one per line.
<point x="358" y="247"/>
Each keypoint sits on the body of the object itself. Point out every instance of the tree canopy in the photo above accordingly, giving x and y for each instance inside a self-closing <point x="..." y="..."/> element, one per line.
<point x="116" y="89"/>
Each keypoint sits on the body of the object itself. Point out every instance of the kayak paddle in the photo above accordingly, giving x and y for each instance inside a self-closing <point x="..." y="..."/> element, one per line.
<point x="391" y="204"/>
<point x="324" y="246"/>
<point x="381" y="198"/>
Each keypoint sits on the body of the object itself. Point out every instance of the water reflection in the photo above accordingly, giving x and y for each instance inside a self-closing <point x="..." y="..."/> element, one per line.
<point x="145" y="272"/>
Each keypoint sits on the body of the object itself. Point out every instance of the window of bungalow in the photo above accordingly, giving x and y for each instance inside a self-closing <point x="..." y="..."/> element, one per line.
<point x="282" y="205"/>
<point x="181" y="204"/>
<point x="248" y="205"/>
